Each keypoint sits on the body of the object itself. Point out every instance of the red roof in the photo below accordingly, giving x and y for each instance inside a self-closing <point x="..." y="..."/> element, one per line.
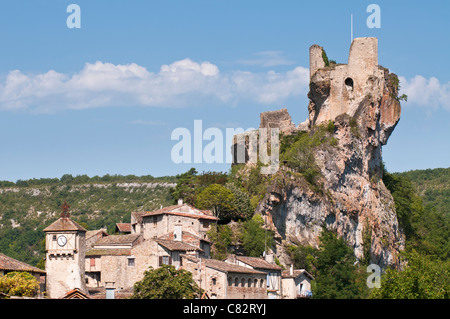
<point x="11" y="264"/>
<point x="124" y="227"/>
<point x="64" y="223"/>
<point x="174" y="210"/>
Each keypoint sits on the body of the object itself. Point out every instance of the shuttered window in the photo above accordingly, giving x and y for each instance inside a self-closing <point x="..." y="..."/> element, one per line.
<point x="165" y="260"/>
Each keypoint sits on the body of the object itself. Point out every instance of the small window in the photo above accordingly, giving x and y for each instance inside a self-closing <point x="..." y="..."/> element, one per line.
<point x="214" y="281"/>
<point x="249" y="284"/>
<point x="261" y="284"/>
<point x="131" y="262"/>
<point x="230" y="281"/>
<point x="165" y="260"/>
<point x="54" y="237"/>
<point x="243" y="282"/>
<point x="236" y="282"/>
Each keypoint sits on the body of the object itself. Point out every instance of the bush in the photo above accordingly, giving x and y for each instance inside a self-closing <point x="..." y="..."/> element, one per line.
<point x="166" y="282"/>
<point x="20" y="284"/>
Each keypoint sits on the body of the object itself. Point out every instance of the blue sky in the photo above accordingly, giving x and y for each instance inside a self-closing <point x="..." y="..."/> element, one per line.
<point x="105" y="98"/>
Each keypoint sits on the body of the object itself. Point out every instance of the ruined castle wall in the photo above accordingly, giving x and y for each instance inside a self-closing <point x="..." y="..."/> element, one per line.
<point x="315" y="59"/>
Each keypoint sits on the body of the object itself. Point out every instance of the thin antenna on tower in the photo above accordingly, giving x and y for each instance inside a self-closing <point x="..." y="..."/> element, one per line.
<point x="351" y="28"/>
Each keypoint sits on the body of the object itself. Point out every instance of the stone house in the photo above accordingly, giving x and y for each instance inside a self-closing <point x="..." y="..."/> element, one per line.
<point x="224" y="280"/>
<point x="110" y="265"/>
<point x="8" y="264"/>
<point x="296" y="283"/>
<point x="159" y="237"/>
<point x="267" y="266"/>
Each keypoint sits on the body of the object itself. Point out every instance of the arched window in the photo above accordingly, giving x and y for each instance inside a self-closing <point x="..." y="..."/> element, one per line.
<point x="242" y="282"/>
<point x="349" y="83"/>
<point x="261" y="283"/>
<point x="249" y="283"/>
<point x="230" y="281"/>
<point x="236" y="282"/>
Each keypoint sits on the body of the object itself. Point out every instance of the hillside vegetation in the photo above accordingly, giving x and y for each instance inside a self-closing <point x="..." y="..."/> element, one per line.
<point x="433" y="186"/>
<point x="27" y="207"/>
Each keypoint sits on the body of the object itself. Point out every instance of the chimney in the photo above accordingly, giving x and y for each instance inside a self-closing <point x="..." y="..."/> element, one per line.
<point x="180" y="201"/>
<point x="269" y="258"/>
<point x="291" y="270"/>
<point x="178" y="233"/>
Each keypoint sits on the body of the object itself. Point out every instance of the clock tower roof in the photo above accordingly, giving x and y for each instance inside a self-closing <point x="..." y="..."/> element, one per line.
<point x="64" y="223"/>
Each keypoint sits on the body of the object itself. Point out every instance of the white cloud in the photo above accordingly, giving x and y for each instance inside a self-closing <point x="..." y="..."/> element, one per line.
<point x="424" y="92"/>
<point x="180" y="84"/>
<point x="183" y="83"/>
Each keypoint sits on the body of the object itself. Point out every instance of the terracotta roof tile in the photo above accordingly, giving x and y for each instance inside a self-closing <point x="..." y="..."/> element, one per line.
<point x="295" y="273"/>
<point x="228" y="267"/>
<point x="11" y="264"/>
<point x="124" y="227"/>
<point x="176" y="245"/>
<point x="64" y="223"/>
<point x="172" y="210"/>
<point x="117" y="240"/>
<point x="257" y="263"/>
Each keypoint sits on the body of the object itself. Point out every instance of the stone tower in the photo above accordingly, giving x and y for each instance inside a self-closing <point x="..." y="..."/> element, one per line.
<point x="341" y="88"/>
<point x="315" y="59"/>
<point x="65" y="256"/>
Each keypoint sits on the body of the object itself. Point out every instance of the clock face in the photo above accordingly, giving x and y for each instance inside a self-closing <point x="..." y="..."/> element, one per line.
<point x="62" y="240"/>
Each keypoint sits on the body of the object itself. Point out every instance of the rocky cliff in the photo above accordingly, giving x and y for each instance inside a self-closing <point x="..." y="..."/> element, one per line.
<point x="357" y="105"/>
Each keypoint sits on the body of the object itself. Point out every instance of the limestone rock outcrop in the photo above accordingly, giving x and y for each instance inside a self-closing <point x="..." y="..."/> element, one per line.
<point x="360" y="99"/>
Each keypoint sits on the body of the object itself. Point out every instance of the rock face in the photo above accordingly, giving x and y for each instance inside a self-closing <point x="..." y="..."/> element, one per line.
<point x="360" y="98"/>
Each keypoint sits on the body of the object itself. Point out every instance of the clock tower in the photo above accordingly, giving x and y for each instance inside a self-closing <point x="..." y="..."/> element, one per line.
<point x="65" y="253"/>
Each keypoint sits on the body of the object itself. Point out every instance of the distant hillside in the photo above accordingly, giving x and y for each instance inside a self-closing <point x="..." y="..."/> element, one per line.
<point x="27" y="207"/>
<point x="433" y="185"/>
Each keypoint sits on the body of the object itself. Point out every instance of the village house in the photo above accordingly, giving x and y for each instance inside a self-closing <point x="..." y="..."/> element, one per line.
<point x="8" y="264"/>
<point x="97" y="265"/>
<point x="116" y="262"/>
<point x="267" y="266"/>
<point x="224" y="280"/>
<point x="296" y="283"/>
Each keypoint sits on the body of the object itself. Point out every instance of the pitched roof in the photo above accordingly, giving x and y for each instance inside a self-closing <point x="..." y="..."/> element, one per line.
<point x="75" y="294"/>
<point x="11" y="264"/>
<point x="176" y="245"/>
<point x="91" y="233"/>
<point x="179" y="210"/>
<point x="258" y="263"/>
<point x="64" y="223"/>
<point x="118" y="240"/>
<point x="228" y="267"/>
<point x="295" y="273"/>
<point x="124" y="227"/>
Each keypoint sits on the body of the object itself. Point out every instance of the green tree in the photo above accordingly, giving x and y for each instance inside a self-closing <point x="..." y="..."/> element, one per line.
<point x="302" y="257"/>
<point x="20" y="284"/>
<point x="422" y="278"/>
<point x="217" y="198"/>
<point x="241" y="203"/>
<point x="221" y="239"/>
<point x="185" y="188"/>
<point x="166" y="282"/>
<point x="336" y="276"/>
<point x="255" y="238"/>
